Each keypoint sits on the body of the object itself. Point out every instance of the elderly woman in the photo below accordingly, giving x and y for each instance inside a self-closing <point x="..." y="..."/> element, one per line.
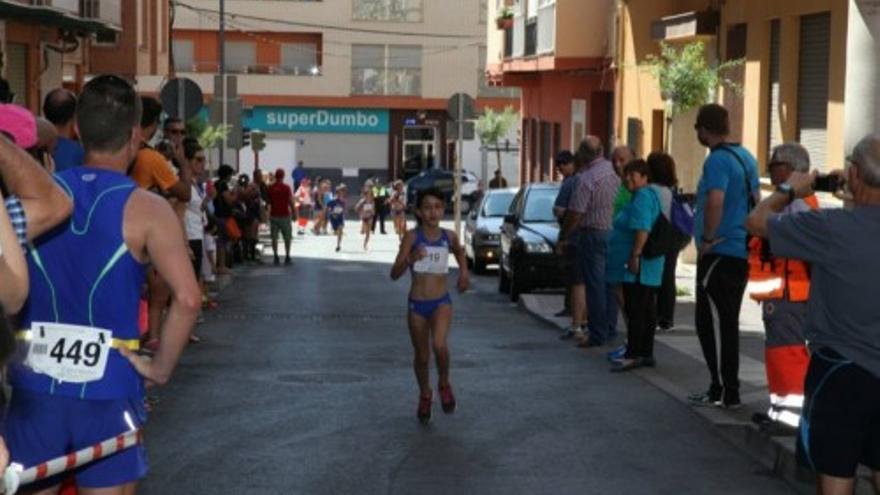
<point x="639" y="276"/>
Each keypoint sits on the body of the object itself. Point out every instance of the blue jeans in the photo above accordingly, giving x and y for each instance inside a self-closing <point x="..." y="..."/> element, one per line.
<point x="602" y="307"/>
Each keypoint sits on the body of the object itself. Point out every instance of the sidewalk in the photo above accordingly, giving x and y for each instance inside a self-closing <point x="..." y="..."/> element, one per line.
<point x="681" y="370"/>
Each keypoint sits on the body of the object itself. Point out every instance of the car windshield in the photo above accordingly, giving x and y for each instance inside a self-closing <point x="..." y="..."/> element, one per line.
<point x="539" y="205"/>
<point x="497" y="204"/>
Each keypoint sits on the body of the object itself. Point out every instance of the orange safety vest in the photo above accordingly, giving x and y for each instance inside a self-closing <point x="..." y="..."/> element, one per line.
<point x="772" y="277"/>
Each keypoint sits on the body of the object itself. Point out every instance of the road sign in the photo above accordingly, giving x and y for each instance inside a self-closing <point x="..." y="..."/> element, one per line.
<point x="452" y="131"/>
<point x="181" y="98"/>
<point x="461" y="107"/>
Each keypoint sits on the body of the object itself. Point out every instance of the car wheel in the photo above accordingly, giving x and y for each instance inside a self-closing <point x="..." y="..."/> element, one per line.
<point x="517" y="286"/>
<point x="503" y="281"/>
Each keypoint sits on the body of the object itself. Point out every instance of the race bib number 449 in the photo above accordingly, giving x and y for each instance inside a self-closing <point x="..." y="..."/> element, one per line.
<point x="436" y="261"/>
<point x="69" y="353"/>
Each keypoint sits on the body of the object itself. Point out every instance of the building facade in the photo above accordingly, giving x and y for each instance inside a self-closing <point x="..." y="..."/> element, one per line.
<point x="809" y="74"/>
<point x="141" y="48"/>
<point x="351" y="87"/>
<point x="558" y="53"/>
<point x="45" y="43"/>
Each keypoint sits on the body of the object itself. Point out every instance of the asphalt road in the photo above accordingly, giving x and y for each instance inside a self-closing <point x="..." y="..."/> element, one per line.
<point x="303" y="385"/>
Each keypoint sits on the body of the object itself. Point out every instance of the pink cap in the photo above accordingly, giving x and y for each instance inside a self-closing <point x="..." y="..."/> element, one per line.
<point x="19" y="123"/>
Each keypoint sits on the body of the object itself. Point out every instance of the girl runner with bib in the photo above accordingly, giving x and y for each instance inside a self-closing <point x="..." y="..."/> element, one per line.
<point x="425" y="252"/>
<point x="366" y="209"/>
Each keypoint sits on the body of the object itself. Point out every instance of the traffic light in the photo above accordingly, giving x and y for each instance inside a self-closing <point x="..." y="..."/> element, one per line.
<point x="245" y="137"/>
<point x="258" y="140"/>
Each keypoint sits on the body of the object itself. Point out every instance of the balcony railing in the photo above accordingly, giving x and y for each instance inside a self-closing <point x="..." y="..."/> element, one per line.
<point x="260" y="69"/>
<point x="531" y="47"/>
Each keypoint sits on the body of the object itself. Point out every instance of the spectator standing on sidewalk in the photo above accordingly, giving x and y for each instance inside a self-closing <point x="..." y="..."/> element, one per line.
<point x="663" y="175"/>
<point x="281" y="208"/>
<point x="576" y="296"/>
<point x="194" y="218"/>
<point x="498" y="182"/>
<point x="590" y="214"/>
<point x="59" y="108"/>
<point x="299" y="173"/>
<point x="782" y="287"/>
<point x="638" y="275"/>
<point x="727" y="191"/>
<point x="840" y="428"/>
<point x="620" y="158"/>
<point x="224" y="201"/>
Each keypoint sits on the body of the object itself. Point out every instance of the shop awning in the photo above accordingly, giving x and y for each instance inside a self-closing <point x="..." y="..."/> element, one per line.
<point x="47" y="16"/>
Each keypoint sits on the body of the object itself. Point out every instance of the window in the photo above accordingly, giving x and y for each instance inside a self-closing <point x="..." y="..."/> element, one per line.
<point x="241" y="56"/>
<point x="388" y="10"/>
<point x="404" y="70"/>
<point x="381" y="70"/>
<point x="299" y="59"/>
<point x="182" y="51"/>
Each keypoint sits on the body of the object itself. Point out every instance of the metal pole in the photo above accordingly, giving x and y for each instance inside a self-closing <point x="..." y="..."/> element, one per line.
<point x="222" y="51"/>
<point x="460" y="157"/>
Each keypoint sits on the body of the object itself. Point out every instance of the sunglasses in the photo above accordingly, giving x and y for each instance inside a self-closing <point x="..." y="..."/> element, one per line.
<point x="175" y="132"/>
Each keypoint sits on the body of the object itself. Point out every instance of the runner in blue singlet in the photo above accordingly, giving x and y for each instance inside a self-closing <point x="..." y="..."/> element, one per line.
<point x="425" y="252"/>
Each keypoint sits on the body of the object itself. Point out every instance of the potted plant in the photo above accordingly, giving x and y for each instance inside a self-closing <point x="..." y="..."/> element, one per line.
<point x="505" y="18"/>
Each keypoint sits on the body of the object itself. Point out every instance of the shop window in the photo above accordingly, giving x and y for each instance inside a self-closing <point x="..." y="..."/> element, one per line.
<point x="387" y="10"/>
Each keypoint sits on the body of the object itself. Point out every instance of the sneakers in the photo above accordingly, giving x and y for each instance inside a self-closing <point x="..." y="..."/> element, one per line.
<point x="424" y="410"/>
<point x="705" y="399"/>
<point x="572" y="333"/>
<point x="447" y="399"/>
<point x="617" y="353"/>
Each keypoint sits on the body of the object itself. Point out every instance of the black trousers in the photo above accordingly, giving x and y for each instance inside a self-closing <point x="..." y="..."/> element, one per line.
<point x="666" y="293"/>
<point x="196" y="247"/>
<point x="639" y="304"/>
<point x="721" y="282"/>
<point x="381" y="213"/>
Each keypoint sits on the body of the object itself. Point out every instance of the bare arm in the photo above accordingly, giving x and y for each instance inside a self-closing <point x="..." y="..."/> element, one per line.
<point x="711" y="220"/>
<point x="635" y="257"/>
<point x="13" y="268"/>
<point x="405" y="256"/>
<point x="570" y="223"/>
<point x="756" y="223"/>
<point x="45" y="203"/>
<point x="162" y="241"/>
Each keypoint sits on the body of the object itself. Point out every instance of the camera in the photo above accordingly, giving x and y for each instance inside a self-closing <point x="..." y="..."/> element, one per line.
<point x="827" y="183"/>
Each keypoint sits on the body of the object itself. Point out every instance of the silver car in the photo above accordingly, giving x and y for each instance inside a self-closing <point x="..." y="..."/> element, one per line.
<point x="482" y="234"/>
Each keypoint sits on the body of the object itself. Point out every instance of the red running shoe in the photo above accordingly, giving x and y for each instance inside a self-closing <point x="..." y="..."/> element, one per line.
<point x="424" y="410"/>
<point x="447" y="399"/>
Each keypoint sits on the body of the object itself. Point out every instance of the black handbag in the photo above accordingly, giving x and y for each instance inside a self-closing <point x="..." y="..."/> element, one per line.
<point x="664" y="238"/>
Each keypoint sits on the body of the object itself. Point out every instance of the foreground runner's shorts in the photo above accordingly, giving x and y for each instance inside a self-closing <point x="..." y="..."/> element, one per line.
<point x="840" y="427"/>
<point x="40" y="427"/>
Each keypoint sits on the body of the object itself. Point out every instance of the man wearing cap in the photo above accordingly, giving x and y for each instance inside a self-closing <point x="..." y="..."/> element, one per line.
<point x="576" y="296"/>
<point x="782" y="287"/>
<point x="281" y="208"/>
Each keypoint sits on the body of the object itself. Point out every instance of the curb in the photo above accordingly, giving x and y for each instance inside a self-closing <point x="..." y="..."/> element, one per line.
<point x="775" y="453"/>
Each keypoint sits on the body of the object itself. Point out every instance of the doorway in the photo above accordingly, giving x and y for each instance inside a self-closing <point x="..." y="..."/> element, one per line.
<point x="419" y="149"/>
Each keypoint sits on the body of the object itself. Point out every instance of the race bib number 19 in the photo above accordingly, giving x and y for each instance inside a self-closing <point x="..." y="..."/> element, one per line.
<point x="436" y="261"/>
<point x="69" y="353"/>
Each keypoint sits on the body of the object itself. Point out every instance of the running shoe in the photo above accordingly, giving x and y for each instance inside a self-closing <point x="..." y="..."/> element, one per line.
<point x="617" y="353"/>
<point x="705" y="399"/>
<point x="424" y="410"/>
<point x="447" y="399"/>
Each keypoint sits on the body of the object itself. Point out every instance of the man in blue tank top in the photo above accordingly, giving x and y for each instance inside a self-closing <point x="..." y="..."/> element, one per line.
<point x="76" y="378"/>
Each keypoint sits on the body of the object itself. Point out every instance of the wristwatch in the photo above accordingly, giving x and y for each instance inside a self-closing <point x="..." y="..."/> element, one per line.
<point x="785" y="188"/>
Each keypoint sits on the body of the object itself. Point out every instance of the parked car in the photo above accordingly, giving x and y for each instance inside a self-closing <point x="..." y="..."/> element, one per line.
<point x="528" y="241"/>
<point x="445" y="181"/>
<point x="482" y="231"/>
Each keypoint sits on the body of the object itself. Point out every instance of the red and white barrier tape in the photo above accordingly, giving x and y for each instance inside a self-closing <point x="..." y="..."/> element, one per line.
<point x="15" y="476"/>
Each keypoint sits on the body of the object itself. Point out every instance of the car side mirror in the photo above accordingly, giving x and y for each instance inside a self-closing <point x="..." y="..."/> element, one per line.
<point x="511" y="219"/>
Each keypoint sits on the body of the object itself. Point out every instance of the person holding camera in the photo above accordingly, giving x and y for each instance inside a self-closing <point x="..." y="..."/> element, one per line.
<point x="840" y="427"/>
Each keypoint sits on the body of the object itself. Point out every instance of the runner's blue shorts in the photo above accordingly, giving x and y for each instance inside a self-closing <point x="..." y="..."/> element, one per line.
<point x="336" y="222"/>
<point x="40" y="427"/>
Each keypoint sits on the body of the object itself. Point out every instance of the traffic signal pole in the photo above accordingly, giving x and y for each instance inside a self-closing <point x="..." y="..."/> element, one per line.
<point x="222" y="51"/>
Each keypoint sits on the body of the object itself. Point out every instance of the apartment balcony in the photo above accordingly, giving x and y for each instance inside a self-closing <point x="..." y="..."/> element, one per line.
<point x="79" y="16"/>
<point x="558" y="34"/>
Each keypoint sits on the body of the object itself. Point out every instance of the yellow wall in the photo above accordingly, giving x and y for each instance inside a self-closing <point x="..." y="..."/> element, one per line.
<point x="638" y="95"/>
<point x="583" y="27"/>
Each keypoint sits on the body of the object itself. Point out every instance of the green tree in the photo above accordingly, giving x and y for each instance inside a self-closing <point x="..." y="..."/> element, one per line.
<point x="209" y="136"/>
<point x="492" y="126"/>
<point x="686" y="79"/>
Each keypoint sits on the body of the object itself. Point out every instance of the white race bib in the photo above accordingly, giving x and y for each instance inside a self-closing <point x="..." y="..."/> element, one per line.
<point x="338" y="210"/>
<point x="436" y="261"/>
<point x="69" y="353"/>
